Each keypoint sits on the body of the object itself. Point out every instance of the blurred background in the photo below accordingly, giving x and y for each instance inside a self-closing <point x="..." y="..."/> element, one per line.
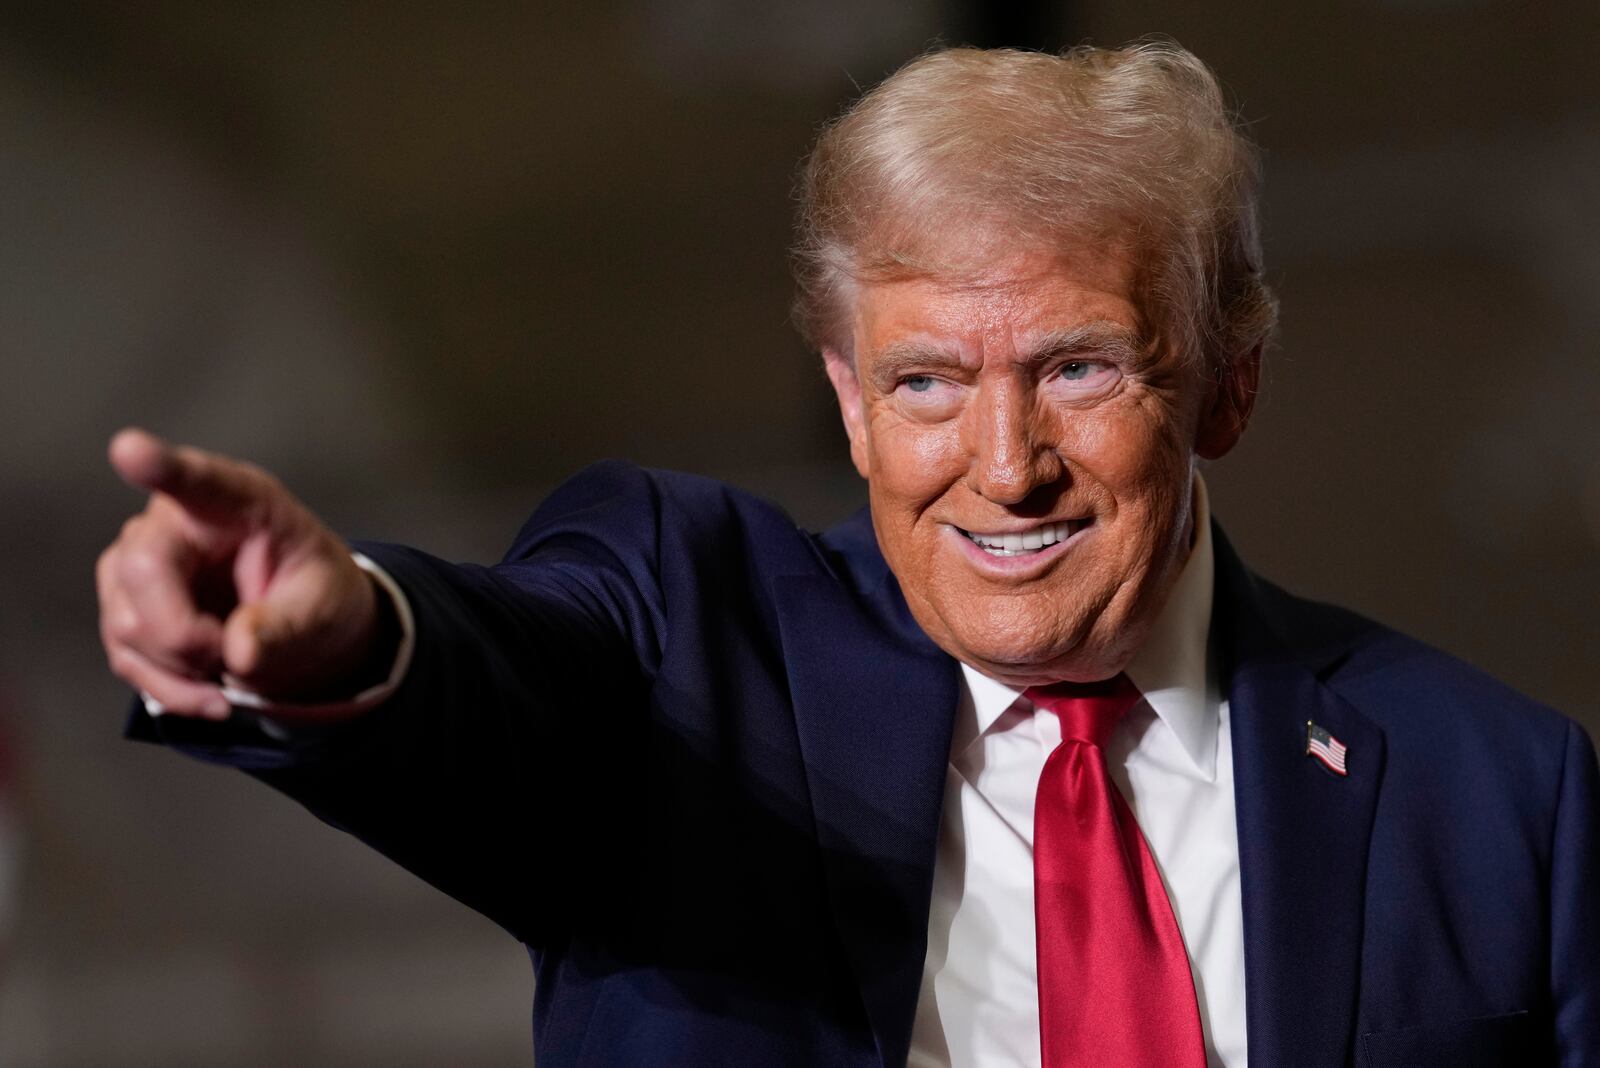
<point x="426" y="260"/>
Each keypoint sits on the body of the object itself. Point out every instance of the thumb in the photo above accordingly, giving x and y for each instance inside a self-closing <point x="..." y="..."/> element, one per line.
<point x="308" y="637"/>
<point x="250" y="635"/>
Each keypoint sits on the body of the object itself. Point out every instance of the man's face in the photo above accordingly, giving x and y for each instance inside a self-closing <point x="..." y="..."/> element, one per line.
<point x="1029" y="441"/>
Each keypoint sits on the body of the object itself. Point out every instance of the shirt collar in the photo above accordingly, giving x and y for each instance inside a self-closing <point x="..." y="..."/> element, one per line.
<point x="1170" y="668"/>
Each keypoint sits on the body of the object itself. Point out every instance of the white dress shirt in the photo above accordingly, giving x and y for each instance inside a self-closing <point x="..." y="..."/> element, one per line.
<point x="1171" y="758"/>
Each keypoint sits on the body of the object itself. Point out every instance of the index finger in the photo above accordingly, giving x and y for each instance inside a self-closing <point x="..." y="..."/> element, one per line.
<point x="211" y="487"/>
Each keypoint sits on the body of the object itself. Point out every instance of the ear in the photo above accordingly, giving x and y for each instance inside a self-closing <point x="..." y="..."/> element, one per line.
<point x="847" y="388"/>
<point x="1230" y="400"/>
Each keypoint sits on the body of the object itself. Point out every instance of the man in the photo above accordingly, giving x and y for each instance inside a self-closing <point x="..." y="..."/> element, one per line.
<point x="1019" y="766"/>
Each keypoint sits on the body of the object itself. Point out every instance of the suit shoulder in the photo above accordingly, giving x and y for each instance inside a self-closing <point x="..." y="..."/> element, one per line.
<point x="619" y="483"/>
<point x="1411" y="688"/>
<point x="653" y="510"/>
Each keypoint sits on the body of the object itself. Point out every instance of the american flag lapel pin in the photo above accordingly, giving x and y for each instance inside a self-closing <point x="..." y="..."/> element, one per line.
<point x="1326" y="748"/>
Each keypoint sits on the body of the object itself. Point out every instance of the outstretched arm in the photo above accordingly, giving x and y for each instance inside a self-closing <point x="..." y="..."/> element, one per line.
<point x="501" y="767"/>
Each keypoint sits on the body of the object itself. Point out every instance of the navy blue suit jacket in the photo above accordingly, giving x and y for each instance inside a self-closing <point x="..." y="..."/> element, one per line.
<point x="694" y="758"/>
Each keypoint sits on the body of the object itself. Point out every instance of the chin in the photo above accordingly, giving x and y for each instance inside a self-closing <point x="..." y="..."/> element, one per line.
<point x="1023" y="660"/>
<point x="1073" y="666"/>
<point x="1033" y="651"/>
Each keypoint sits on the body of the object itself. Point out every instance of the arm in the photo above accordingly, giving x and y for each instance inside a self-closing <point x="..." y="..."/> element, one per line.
<point x="503" y="770"/>
<point x="501" y="749"/>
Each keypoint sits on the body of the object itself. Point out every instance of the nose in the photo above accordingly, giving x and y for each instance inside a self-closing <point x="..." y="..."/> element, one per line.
<point x="1011" y="450"/>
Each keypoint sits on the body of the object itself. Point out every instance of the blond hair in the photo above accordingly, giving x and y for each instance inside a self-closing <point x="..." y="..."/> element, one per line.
<point x="963" y="147"/>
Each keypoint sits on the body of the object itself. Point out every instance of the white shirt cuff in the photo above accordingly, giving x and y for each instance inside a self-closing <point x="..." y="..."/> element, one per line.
<point x="241" y="697"/>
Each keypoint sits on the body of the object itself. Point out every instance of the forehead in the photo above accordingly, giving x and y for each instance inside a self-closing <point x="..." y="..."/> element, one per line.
<point x="1003" y="303"/>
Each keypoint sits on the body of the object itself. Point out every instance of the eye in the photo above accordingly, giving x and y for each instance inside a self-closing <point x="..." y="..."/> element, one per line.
<point x="922" y="388"/>
<point x="1080" y="370"/>
<point x="927" y="397"/>
<point x="1084" y="380"/>
<point x="1085" y="376"/>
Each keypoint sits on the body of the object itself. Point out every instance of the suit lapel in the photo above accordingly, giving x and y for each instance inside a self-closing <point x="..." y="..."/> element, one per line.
<point x="874" y="701"/>
<point x="1303" y="833"/>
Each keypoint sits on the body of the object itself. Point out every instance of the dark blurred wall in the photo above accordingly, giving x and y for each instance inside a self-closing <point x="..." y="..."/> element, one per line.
<point x="426" y="262"/>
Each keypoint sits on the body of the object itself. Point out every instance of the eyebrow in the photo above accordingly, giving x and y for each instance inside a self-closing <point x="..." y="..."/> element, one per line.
<point x="900" y="357"/>
<point x="1102" y="336"/>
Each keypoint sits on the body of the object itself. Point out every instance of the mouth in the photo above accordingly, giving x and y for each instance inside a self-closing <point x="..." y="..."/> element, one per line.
<point x="1030" y="542"/>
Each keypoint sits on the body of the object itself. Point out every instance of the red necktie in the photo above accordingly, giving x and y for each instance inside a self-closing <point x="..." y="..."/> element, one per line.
<point x="1114" y="983"/>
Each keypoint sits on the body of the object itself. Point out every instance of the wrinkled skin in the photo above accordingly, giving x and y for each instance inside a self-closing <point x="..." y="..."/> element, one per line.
<point x="1033" y="391"/>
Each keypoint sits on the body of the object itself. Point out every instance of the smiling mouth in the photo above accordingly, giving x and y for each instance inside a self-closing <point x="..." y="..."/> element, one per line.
<point x="1028" y="542"/>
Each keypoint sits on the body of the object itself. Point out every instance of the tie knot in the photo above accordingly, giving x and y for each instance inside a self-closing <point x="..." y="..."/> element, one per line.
<point x="1088" y="710"/>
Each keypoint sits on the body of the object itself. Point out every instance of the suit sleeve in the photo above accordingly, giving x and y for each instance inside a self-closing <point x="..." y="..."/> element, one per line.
<point x="494" y="770"/>
<point x="1575" y="906"/>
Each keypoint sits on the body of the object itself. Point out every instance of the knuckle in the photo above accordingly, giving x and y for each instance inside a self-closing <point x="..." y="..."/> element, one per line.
<point x="265" y="494"/>
<point x="140" y="565"/>
<point x="260" y="481"/>
<point x="123" y="626"/>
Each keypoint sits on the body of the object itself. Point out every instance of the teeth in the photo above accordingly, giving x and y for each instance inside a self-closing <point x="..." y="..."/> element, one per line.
<point x="1021" y="544"/>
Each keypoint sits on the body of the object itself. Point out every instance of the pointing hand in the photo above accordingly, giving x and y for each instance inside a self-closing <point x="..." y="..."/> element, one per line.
<point x="224" y="572"/>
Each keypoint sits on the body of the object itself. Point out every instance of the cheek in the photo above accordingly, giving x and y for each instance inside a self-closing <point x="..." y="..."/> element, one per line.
<point x="911" y="461"/>
<point x="1133" y="454"/>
